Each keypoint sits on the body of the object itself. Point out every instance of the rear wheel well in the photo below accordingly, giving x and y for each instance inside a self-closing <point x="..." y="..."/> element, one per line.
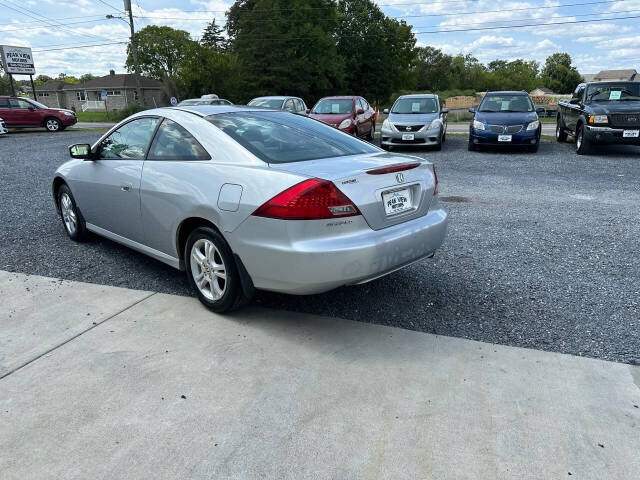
<point x="186" y="227"/>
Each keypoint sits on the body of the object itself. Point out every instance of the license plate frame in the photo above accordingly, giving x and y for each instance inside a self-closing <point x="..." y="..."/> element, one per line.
<point x="505" y="138"/>
<point x="631" y="134"/>
<point x="408" y="136"/>
<point x="397" y="201"/>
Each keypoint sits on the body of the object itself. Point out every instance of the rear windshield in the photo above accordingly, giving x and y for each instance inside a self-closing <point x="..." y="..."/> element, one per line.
<point x="506" y="103"/>
<point x="612" y="92"/>
<point x="331" y="105"/>
<point x="415" y="105"/>
<point x="266" y="102"/>
<point x="282" y="137"/>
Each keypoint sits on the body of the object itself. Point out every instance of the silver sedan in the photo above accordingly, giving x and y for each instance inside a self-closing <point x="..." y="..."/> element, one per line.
<point x="417" y="120"/>
<point x="245" y="199"/>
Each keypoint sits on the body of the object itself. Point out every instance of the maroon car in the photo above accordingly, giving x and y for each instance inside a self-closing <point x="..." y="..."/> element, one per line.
<point x="351" y="114"/>
<point x="24" y="112"/>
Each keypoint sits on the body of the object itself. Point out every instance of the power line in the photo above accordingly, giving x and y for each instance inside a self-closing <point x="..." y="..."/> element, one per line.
<point x="35" y="27"/>
<point x="110" y="6"/>
<point x="53" y="19"/>
<point x="80" y="46"/>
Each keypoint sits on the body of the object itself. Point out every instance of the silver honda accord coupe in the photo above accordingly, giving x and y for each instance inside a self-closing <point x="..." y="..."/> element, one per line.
<point x="246" y="199"/>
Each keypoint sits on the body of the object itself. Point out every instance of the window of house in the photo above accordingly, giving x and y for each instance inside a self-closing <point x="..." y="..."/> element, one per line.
<point x="114" y="93"/>
<point x="44" y="94"/>
<point x="81" y="96"/>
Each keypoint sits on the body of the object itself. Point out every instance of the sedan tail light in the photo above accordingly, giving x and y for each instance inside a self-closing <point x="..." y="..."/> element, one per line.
<point x="312" y="199"/>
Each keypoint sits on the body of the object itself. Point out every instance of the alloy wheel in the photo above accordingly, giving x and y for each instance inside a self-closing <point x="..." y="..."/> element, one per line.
<point x="208" y="269"/>
<point x="68" y="214"/>
<point x="52" y="125"/>
<point x="579" y="139"/>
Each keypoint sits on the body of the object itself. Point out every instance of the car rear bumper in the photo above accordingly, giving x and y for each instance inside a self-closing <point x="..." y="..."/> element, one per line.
<point x="347" y="254"/>
<point x="424" y="137"/>
<point x="612" y="135"/>
<point x="488" y="138"/>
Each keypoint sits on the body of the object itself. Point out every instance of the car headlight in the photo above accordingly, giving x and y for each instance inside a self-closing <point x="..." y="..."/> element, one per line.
<point x="533" y="125"/>
<point x="434" y="124"/>
<point x="386" y="125"/>
<point x="345" y="123"/>
<point x="598" y="119"/>
<point x="478" y="125"/>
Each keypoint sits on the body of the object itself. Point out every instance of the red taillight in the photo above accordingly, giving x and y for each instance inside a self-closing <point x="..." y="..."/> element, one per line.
<point x="313" y="199"/>
<point x="435" y="178"/>
<point x="393" y="169"/>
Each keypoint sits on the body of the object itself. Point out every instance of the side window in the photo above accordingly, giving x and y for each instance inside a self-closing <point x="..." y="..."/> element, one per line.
<point x="365" y="105"/>
<point x="4" y="103"/>
<point x="288" y="105"/>
<point x="173" y="142"/>
<point x="579" y="92"/>
<point x="359" y="104"/>
<point x="18" y="103"/>
<point x="300" y="105"/>
<point x="130" y="141"/>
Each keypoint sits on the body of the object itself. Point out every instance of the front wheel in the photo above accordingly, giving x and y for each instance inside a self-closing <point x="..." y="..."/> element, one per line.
<point x="212" y="271"/>
<point x="583" y="146"/>
<point x="72" y="219"/>
<point x="53" y="124"/>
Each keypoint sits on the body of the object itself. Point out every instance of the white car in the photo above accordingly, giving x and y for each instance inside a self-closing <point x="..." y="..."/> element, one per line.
<point x="3" y="127"/>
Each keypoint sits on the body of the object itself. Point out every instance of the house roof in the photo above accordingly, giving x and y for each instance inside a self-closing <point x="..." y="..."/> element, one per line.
<point x="616" y="74"/>
<point x="117" y="80"/>
<point x="53" y="85"/>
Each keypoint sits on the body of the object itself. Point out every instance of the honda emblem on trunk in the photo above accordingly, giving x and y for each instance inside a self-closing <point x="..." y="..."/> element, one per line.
<point x="400" y="177"/>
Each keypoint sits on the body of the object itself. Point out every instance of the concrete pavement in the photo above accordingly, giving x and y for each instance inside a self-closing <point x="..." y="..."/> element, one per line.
<point x="161" y="388"/>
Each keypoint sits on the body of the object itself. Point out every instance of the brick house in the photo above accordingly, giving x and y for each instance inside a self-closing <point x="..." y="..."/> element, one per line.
<point x="120" y="88"/>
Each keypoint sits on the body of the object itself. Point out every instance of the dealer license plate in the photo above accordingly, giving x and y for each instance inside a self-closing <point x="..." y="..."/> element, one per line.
<point x="408" y="136"/>
<point x="631" y="133"/>
<point x="397" y="201"/>
<point x="504" y="138"/>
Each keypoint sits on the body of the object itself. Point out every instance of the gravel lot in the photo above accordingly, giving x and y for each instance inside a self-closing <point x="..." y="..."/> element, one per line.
<point x="542" y="250"/>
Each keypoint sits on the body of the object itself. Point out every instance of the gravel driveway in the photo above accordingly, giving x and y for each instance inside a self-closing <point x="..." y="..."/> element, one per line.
<point x="542" y="250"/>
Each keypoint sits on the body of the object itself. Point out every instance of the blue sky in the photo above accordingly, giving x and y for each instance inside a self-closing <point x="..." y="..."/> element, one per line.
<point x="605" y="44"/>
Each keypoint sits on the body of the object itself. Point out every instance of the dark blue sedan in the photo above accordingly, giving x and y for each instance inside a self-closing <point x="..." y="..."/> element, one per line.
<point x="505" y="119"/>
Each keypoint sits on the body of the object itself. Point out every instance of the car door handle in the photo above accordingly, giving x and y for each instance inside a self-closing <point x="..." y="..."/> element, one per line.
<point x="126" y="187"/>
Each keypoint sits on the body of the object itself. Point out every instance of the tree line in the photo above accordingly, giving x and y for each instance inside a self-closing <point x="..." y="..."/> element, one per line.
<point x="313" y="48"/>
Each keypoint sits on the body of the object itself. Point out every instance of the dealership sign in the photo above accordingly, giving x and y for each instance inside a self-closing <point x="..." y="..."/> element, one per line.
<point x="17" y="60"/>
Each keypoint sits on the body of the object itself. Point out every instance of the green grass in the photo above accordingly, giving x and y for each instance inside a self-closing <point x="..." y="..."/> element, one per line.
<point x="93" y="117"/>
<point x="112" y="116"/>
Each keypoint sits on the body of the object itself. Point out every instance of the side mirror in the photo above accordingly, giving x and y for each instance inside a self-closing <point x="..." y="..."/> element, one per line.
<point x="472" y="110"/>
<point x="32" y="109"/>
<point x="360" y="111"/>
<point x="308" y="110"/>
<point x="80" y="150"/>
<point x="385" y="111"/>
<point x="444" y="110"/>
<point x="540" y="110"/>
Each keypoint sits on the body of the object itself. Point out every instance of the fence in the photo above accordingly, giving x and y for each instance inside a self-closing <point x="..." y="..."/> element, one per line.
<point x="93" y="105"/>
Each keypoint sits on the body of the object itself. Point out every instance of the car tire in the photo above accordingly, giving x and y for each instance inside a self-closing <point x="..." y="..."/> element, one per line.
<point x="444" y="137"/>
<point x="471" y="147"/>
<point x="534" y="148"/>
<point x="583" y="146"/>
<point x="72" y="218"/>
<point x="438" y="146"/>
<point x="561" y="134"/>
<point x="52" y="124"/>
<point x="355" y="132"/>
<point x="384" y="147"/>
<point x="212" y="271"/>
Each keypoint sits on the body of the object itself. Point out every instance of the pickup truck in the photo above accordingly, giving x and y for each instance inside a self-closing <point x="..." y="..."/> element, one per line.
<point x="601" y="112"/>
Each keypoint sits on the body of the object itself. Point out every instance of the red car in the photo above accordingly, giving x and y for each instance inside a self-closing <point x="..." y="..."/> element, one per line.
<point x="24" y="112"/>
<point x="351" y="114"/>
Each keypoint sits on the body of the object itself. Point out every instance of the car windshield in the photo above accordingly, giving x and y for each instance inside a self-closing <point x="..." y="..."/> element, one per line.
<point x="266" y="102"/>
<point x="191" y="102"/>
<point x="282" y="137"/>
<point x="618" y="92"/>
<point x="330" y="106"/>
<point x="506" y="103"/>
<point x="415" y="105"/>
<point x="37" y="104"/>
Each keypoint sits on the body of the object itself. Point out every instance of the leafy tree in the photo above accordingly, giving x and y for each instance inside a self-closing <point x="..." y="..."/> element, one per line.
<point x="515" y="75"/>
<point x="379" y="52"/>
<point x="433" y="69"/>
<point x="5" y="85"/>
<point x="160" y="51"/>
<point x="204" y="70"/>
<point x="558" y="74"/>
<point x="467" y="72"/>
<point x="86" y="77"/>
<point x="67" y="78"/>
<point x="285" y="48"/>
<point x="42" y="79"/>
<point x="213" y="38"/>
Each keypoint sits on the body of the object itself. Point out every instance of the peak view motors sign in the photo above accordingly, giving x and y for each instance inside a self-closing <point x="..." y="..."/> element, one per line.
<point x="17" y="60"/>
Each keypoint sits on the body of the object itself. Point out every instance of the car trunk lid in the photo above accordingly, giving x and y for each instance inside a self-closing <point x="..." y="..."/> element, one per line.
<point x="388" y="189"/>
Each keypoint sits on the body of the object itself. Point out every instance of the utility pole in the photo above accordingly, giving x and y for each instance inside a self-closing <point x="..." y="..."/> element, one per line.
<point x="134" y="51"/>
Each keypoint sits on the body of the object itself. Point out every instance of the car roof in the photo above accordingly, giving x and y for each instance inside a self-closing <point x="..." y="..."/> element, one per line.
<point x="507" y="92"/>
<point x="206" y="110"/>
<point x="340" y="97"/>
<point x="275" y="97"/>
<point x="419" y="95"/>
